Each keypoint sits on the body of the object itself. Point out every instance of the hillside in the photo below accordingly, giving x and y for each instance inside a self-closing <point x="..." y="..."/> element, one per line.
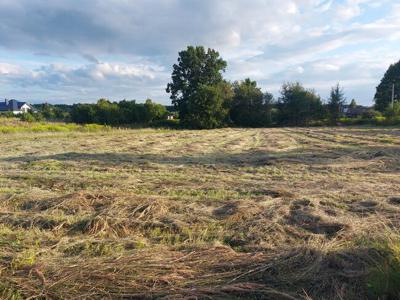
<point x="282" y="213"/>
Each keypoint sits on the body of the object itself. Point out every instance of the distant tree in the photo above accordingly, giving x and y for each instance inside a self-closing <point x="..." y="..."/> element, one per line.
<point x="250" y="107"/>
<point x="383" y="96"/>
<point x="107" y="113"/>
<point x="197" y="70"/>
<point x="209" y="106"/>
<point x="121" y="113"/>
<point x="62" y="112"/>
<point x="336" y="102"/>
<point x="299" y="106"/>
<point x="83" y="113"/>
<point x="269" y="111"/>
<point x="154" y="111"/>
<point x="353" y="103"/>
<point x="130" y="112"/>
<point x="48" y="111"/>
<point x="59" y="112"/>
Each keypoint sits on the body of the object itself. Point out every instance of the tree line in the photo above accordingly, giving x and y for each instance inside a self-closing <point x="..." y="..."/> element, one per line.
<point x="203" y="99"/>
<point x="118" y="113"/>
<point x="104" y="112"/>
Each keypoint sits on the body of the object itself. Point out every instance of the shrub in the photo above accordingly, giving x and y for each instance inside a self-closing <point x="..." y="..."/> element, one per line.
<point x="27" y="117"/>
<point x="371" y="114"/>
<point x="173" y="124"/>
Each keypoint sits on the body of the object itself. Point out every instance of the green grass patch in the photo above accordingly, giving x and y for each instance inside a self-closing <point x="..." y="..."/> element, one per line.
<point x="21" y="126"/>
<point x="94" y="249"/>
<point x="8" y="292"/>
<point x="384" y="280"/>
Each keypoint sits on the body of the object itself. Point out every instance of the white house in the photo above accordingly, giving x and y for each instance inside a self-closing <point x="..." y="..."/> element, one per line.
<point x="14" y="106"/>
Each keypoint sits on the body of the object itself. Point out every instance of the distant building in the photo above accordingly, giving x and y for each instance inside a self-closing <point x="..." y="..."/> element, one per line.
<point x="14" y="106"/>
<point x="354" y="111"/>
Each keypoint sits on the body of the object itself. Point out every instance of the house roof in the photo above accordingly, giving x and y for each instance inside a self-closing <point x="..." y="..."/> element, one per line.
<point x="357" y="110"/>
<point x="11" y="105"/>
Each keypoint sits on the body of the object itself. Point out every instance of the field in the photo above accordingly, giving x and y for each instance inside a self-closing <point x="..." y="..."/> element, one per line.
<point x="284" y="213"/>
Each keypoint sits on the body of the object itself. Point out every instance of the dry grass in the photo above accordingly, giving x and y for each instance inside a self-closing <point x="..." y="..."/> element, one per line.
<point x="223" y="214"/>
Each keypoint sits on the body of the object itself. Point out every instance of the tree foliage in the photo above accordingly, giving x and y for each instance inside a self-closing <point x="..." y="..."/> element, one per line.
<point x="209" y="106"/>
<point x="250" y="107"/>
<point x="107" y="113"/>
<point x="153" y="112"/>
<point x="195" y="74"/>
<point x="336" y="102"/>
<point x="393" y="112"/>
<point x="59" y="112"/>
<point x="298" y="106"/>
<point x="383" y="96"/>
<point x="122" y="113"/>
<point x="83" y="113"/>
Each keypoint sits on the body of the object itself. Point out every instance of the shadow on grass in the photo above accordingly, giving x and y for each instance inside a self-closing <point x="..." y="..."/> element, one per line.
<point x="255" y="158"/>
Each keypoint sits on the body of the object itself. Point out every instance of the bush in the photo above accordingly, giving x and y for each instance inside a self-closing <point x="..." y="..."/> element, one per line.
<point x="31" y="117"/>
<point x="371" y="114"/>
<point x="318" y="123"/>
<point x="7" y="114"/>
<point x="377" y="120"/>
<point x="173" y="124"/>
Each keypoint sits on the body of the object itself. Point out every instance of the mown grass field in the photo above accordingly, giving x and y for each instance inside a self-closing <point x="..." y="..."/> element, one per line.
<point x="286" y="213"/>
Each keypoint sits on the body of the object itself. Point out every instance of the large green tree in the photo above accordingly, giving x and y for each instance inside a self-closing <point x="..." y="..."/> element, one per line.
<point x="196" y="67"/>
<point x="209" y="106"/>
<point x="336" y="102"/>
<point x="299" y="106"/>
<point x="250" y="107"/>
<point x="383" y="96"/>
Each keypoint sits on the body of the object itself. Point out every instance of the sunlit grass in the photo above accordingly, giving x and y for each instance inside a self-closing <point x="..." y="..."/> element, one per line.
<point x="226" y="214"/>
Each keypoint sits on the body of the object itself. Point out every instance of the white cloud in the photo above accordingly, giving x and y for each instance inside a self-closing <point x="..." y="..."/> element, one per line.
<point x="300" y="70"/>
<point x="292" y="8"/>
<point x="348" y="12"/>
<point x="326" y="67"/>
<point x="9" y="69"/>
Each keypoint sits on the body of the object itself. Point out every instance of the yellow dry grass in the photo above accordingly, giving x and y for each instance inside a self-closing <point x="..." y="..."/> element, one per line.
<point x="286" y="213"/>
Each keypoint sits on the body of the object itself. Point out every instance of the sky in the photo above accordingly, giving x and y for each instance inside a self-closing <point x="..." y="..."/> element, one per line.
<point x="70" y="51"/>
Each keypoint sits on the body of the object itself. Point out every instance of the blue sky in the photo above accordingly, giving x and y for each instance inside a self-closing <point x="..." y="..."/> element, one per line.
<point x="68" y="51"/>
